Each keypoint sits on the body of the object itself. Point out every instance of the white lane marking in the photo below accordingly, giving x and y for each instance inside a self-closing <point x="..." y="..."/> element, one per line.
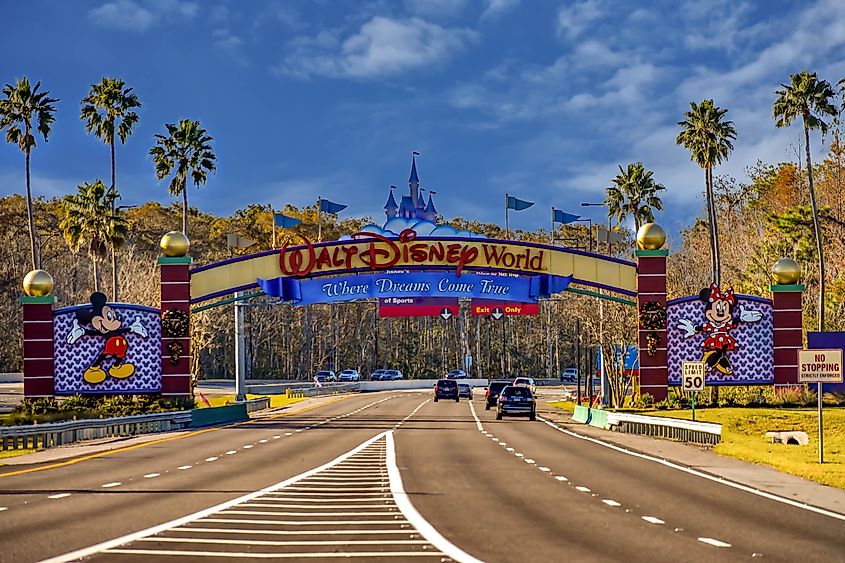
<point x="561" y="478"/>
<point x="135" y="536"/>
<point x="231" y="452"/>
<point x="407" y="508"/>
<point x="262" y="441"/>
<point x="387" y="522"/>
<point x="494" y="438"/>
<point x="510" y="449"/>
<point x="653" y="520"/>
<point x="232" y="541"/>
<point x="112" y="484"/>
<point x="611" y="502"/>
<point x="517" y="454"/>
<point x="544" y="469"/>
<point x="59" y="495"/>
<point x="259" y="532"/>
<point x="502" y="444"/>
<point x="529" y="461"/>
<point x="213" y="458"/>
<point x="151" y="475"/>
<point x="288" y="433"/>
<point x="248" y="446"/>
<point x="714" y="542"/>
<point x="2" y="508"/>
<point x="184" y="467"/>
<point x="583" y="489"/>
<point x="715" y="479"/>
<point x="259" y="555"/>
<point x="477" y="421"/>
<point x="300" y="429"/>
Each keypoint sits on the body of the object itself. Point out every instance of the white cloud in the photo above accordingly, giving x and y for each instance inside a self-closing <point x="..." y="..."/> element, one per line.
<point x="381" y="47"/>
<point x="496" y="8"/>
<point x="435" y="8"/>
<point x="572" y="20"/>
<point x="227" y="41"/>
<point x="129" y="15"/>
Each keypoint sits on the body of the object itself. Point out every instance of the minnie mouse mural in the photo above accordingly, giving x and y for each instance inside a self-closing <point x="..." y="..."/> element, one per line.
<point x="719" y="322"/>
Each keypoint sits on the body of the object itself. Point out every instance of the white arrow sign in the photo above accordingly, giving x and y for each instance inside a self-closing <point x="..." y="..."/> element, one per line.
<point x="446" y="313"/>
<point x="497" y="313"/>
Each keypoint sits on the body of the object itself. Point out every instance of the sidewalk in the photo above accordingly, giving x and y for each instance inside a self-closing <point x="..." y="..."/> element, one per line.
<point x="95" y="446"/>
<point x="759" y="477"/>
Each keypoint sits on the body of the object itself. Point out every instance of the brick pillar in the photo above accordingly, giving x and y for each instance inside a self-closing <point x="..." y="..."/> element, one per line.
<point x="38" y="357"/>
<point x="789" y="331"/>
<point x="175" y="294"/>
<point x="651" y="286"/>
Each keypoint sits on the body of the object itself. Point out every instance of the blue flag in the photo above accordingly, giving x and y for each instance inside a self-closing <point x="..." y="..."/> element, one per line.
<point x="327" y="206"/>
<point x="286" y="222"/>
<point x="564" y="218"/>
<point x="518" y="204"/>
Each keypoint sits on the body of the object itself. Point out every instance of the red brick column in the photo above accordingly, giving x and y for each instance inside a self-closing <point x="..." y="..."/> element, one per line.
<point x="38" y="357"/>
<point x="651" y="286"/>
<point x="789" y="332"/>
<point x="175" y="294"/>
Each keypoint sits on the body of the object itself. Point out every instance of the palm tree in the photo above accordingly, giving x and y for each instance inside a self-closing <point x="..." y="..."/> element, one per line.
<point x="808" y="97"/>
<point x="106" y="110"/>
<point x="709" y="138"/>
<point x="89" y="220"/>
<point x="634" y="194"/>
<point x="25" y="107"/>
<point x="186" y="148"/>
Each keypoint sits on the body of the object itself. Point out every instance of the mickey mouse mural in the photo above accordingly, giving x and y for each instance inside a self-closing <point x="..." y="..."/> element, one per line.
<point x="719" y="321"/>
<point x="105" y="324"/>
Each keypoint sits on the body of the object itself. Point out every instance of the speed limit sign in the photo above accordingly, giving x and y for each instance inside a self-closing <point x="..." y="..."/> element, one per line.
<point x="693" y="376"/>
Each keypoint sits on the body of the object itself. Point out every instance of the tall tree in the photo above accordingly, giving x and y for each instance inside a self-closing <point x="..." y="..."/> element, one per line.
<point x="108" y="110"/>
<point x="89" y="220"/>
<point x="634" y="193"/>
<point x="709" y="138"/>
<point x="185" y="150"/>
<point x="809" y="98"/>
<point x="23" y="108"/>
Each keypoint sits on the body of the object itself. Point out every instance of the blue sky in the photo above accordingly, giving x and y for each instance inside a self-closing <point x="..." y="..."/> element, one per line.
<point x="329" y="97"/>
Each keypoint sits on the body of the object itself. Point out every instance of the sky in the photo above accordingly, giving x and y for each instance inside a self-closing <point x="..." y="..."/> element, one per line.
<point x="539" y="99"/>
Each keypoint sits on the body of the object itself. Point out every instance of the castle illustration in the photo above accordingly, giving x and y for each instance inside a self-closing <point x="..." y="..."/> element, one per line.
<point x="412" y="205"/>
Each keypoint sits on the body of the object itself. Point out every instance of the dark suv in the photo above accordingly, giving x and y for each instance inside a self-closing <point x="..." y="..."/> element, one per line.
<point x="446" y="389"/>
<point x="516" y="400"/>
<point x="493" y="391"/>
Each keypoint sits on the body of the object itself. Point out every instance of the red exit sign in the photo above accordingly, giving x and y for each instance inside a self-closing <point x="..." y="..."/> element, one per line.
<point x="485" y="308"/>
<point x="417" y="307"/>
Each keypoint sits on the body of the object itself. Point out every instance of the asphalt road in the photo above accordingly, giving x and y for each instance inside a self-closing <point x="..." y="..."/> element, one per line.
<point x="327" y="482"/>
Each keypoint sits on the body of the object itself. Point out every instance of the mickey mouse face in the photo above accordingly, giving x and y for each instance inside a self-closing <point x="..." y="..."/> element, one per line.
<point x="107" y="321"/>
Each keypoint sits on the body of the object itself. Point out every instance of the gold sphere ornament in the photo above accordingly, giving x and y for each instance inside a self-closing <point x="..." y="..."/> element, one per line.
<point x="786" y="271"/>
<point x="651" y="236"/>
<point x="175" y="244"/>
<point x="38" y="283"/>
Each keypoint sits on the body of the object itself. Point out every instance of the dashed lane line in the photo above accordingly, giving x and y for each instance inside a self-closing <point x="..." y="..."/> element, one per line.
<point x="611" y="502"/>
<point x="653" y="520"/>
<point x="59" y="495"/>
<point x="151" y="475"/>
<point x="184" y="467"/>
<point x="112" y="484"/>
<point x="714" y="542"/>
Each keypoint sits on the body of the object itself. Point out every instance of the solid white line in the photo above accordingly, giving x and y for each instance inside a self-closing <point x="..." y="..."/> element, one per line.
<point x="713" y="542"/>
<point x="253" y="531"/>
<point x="611" y="502"/>
<point x="151" y="475"/>
<point x="112" y="484"/>
<point x="697" y="473"/>
<point x="477" y="421"/>
<point x="255" y="555"/>
<point x="88" y="551"/>
<point x="407" y="508"/>
<point x="233" y="541"/>
<point x="60" y="495"/>
<point x="653" y="520"/>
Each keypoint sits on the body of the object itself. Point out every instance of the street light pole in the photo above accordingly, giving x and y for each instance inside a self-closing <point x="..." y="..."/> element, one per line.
<point x="603" y="363"/>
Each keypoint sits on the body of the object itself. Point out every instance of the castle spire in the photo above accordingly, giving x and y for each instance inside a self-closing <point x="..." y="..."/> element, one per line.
<point x="430" y="211"/>
<point x="390" y="207"/>
<point x="414" y="182"/>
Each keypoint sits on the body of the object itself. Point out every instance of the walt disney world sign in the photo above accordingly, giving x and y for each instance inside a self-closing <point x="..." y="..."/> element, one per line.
<point x="369" y="253"/>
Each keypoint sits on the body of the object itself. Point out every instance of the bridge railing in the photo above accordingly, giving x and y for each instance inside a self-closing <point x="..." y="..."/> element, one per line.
<point x="53" y="434"/>
<point x="671" y="428"/>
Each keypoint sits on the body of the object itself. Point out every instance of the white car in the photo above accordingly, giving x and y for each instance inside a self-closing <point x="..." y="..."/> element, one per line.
<point x="527" y="382"/>
<point x="570" y="375"/>
<point x="392" y="375"/>
<point x="349" y="375"/>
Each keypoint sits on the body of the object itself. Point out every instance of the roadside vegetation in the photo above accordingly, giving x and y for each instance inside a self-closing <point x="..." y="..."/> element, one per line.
<point x="39" y="411"/>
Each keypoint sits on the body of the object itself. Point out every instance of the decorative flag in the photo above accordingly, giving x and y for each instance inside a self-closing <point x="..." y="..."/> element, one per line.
<point x="518" y="204"/>
<point x="286" y="222"/>
<point x="564" y="218"/>
<point x="327" y="206"/>
<point x="417" y="153"/>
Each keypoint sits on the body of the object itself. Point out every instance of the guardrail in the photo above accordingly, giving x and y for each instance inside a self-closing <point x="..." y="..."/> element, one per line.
<point x="672" y="428"/>
<point x="60" y="433"/>
<point x="258" y="404"/>
<point x="326" y="389"/>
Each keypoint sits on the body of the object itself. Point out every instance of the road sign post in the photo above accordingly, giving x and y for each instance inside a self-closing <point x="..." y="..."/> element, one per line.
<point x="693" y="380"/>
<point x="820" y="366"/>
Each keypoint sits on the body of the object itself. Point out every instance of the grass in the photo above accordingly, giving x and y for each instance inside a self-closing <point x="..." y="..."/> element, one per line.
<point x="275" y="400"/>
<point x="744" y="437"/>
<point x="14" y="453"/>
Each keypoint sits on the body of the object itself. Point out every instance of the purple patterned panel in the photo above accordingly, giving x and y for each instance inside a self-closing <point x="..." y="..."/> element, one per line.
<point x="73" y="359"/>
<point x="753" y="358"/>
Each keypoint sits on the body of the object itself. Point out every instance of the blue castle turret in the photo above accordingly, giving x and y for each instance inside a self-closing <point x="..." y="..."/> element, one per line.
<point x="411" y="206"/>
<point x="430" y="213"/>
<point x="390" y="208"/>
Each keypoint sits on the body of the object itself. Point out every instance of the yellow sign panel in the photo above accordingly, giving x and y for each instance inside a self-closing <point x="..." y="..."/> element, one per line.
<point x="375" y="253"/>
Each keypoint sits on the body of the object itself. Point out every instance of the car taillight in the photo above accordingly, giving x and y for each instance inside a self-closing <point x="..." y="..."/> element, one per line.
<point x="488" y="394"/>
<point x="501" y="398"/>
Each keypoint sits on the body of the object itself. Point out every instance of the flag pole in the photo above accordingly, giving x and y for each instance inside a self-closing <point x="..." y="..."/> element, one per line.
<point x="273" y="223"/>
<point x="507" y="225"/>
<point x="552" y="234"/>
<point x="319" y="220"/>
